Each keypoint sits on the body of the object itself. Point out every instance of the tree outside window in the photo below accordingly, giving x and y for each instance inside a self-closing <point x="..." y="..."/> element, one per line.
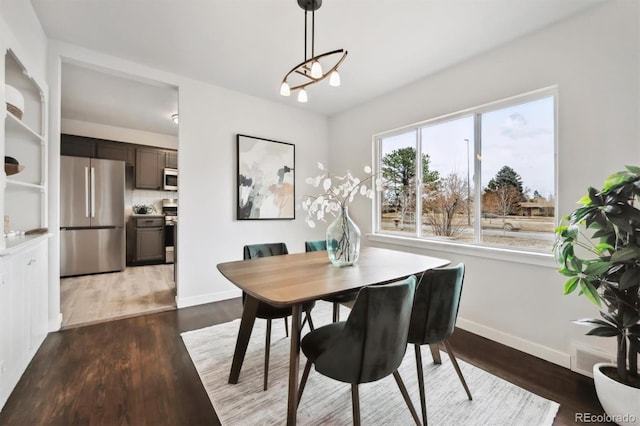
<point x="399" y="173"/>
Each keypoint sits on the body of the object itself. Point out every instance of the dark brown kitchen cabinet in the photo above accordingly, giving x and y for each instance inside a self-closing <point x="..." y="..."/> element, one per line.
<point x="149" y="168"/>
<point x="117" y="151"/>
<point x="149" y="240"/>
<point x="171" y="160"/>
<point x="77" y="146"/>
<point x="148" y="162"/>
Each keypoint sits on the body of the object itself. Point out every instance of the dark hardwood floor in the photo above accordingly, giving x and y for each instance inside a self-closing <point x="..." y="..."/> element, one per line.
<point x="136" y="371"/>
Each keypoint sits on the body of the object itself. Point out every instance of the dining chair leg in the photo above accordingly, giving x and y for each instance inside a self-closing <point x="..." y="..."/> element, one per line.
<point x="307" y="316"/>
<point x="455" y="365"/>
<point x="303" y="381"/>
<point x="435" y="353"/>
<point x="355" y="404"/>
<point x="336" y="312"/>
<point x="405" y="395"/>
<point x="423" y="400"/>
<point x="286" y="326"/>
<point x="267" y="346"/>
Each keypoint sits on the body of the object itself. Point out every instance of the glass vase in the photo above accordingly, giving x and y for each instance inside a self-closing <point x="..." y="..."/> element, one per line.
<point x="343" y="240"/>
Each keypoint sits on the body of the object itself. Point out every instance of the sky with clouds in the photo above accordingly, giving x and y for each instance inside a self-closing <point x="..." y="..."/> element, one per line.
<point x="521" y="137"/>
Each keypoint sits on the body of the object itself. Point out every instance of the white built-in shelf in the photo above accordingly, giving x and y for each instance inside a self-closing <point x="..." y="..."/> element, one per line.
<point x="24" y="184"/>
<point x="24" y="195"/>
<point x="15" y="125"/>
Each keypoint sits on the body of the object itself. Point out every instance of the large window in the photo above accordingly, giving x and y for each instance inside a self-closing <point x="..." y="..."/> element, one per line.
<point x="486" y="175"/>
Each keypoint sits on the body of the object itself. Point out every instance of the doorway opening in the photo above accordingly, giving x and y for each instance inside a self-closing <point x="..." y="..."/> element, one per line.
<point x="122" y="266"/>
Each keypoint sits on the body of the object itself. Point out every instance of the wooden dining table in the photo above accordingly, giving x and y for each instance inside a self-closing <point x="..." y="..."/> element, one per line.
<point x="293" y="279"/>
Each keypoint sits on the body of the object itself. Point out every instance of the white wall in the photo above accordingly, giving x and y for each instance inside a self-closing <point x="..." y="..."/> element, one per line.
<point x="21" y="24"/>
<point x="210" y="117"/>
<point x="593" y="58"/>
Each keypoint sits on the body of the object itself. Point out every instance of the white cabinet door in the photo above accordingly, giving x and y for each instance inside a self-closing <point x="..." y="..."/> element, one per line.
<point x="35" y="263"/>
<point x="23" y="312"/>
<point x="19" y="316"/>
<point x="5" y="328"/>
<point x="15" y="331"/>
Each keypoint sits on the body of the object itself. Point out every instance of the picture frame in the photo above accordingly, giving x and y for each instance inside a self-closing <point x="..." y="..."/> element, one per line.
<point x="265" y="179"/>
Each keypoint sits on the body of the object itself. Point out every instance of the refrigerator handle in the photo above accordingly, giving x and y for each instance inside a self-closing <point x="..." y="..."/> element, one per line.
<point x="93" y="192"/>
<point x="86" y="192"/>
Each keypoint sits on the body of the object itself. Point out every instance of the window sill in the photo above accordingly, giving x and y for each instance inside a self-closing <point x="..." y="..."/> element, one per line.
<point x="488" y="252"/>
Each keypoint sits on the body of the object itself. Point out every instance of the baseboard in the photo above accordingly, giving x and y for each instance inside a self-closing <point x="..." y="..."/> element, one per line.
<point x="515" y="342"/>
<point x="185" y="302"/>
<point x="56" y="324"/>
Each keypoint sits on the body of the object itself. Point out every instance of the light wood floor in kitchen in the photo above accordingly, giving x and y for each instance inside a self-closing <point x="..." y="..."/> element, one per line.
<point x="137" y="290"/>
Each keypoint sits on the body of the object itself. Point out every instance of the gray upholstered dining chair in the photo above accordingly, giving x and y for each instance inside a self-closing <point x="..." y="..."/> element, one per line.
<point x="347" y="297"/>
<point x="267" y="311"/>
<point x="433" y="318"/>
<point x="369" y="345"/>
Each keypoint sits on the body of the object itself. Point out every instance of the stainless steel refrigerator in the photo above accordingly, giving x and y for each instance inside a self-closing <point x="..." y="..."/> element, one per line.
<point x="92" y="232"/>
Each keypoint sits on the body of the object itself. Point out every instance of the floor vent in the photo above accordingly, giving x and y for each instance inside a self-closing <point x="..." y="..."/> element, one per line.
<point x="586" y="358"/>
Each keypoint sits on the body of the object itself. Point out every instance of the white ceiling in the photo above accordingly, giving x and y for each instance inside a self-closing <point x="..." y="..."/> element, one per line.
<point x="249" y="45"/>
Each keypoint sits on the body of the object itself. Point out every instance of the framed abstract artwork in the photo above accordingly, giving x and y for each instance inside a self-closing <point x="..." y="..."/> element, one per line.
<point x="266" y="179"/>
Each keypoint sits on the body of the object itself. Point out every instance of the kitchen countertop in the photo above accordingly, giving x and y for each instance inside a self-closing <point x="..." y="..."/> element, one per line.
<point x="17" y="243"/>
<point x="136" y="215"/>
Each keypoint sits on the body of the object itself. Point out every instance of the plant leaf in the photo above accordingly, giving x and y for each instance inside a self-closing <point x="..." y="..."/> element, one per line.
<point x="561" y="228"/>
<point x="630" y="319"/>
<point x="603" y="246"/>
<point x="603" y="332"/>
<point x="590" y="322"/>
<point x="603" y="233"/>
<point x="626" y="254"/>
<point x="621" y="222"/>
<point x="613" y="321"/>
<point x="597" y="268"/>
<point x="584" y="200"/>
<point x="590" y="292"/>
<point x="567" y="272"/>
<point x="630" y="278"/>
<point x="576" y="263"/>
<point x="615" y="180"/>
<point x="571" y="285"/>
<point x="631" y="212"/>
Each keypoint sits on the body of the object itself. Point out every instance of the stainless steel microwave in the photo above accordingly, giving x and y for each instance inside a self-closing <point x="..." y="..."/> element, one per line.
<point x="170" y="179"/>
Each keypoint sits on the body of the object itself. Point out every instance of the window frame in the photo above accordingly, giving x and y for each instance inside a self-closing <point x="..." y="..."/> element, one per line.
<point x="476" y="112"/>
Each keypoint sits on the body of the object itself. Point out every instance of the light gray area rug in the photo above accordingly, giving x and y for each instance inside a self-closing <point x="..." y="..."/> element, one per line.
<point x="328" y="402"/>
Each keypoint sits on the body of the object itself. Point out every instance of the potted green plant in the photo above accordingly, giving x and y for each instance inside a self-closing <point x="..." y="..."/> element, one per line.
<point x="598" y="248"/>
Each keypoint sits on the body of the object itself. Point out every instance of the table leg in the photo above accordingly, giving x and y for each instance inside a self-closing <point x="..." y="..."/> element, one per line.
<point x="246" y="326"/>
<point x="294" y="356"/>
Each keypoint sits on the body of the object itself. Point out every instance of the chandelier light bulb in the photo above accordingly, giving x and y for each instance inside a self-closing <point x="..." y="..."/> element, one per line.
<point x="174" y="118"/>
<point x="334" y="80"/>
<point x="316" y="69"/>
<point x="302" y="96"/>
<point x="284" y="89"/>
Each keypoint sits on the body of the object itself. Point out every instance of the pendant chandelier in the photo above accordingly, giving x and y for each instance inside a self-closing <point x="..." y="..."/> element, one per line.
<point x="311" y="70"/>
